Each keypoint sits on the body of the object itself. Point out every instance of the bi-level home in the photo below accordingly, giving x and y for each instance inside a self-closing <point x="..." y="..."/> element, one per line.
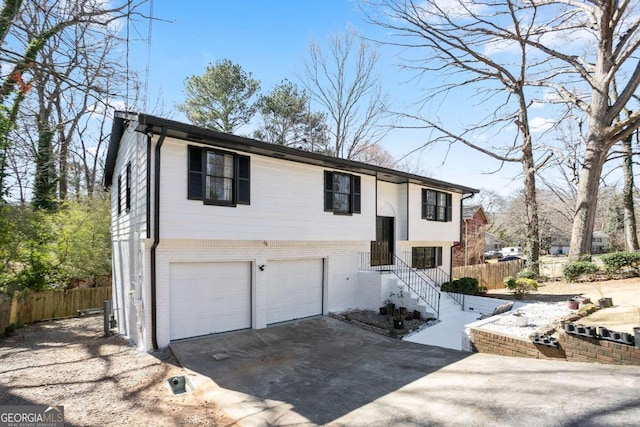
<point x="214" y="232"/>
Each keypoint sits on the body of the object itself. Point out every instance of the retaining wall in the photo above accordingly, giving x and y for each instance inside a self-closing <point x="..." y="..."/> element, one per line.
<point x="570" y="348"/>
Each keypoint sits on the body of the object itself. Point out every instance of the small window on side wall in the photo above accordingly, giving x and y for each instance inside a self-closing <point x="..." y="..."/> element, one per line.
<point x="423" y="257"/>
<point x="127" y="193"/>
<point x="342" y="193"/>
<point x="119" y="194"/>
<point x="218" y="177"/>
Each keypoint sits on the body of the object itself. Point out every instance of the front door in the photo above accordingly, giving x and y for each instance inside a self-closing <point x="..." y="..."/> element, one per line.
<point x="382" y="247"/>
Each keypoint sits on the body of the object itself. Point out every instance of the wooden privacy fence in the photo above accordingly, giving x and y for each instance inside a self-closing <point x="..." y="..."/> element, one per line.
<point x="30" y="306"/>
<point x="490" y="275"/>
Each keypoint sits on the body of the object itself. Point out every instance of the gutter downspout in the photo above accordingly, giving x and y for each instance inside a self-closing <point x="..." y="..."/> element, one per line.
<point x="148" y="178"/>
<point x="156" y="236"/>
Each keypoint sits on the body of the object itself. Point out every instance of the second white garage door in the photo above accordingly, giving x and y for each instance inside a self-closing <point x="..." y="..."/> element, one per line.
<point x="209" y="297"/>
<point x="294" y="289"/>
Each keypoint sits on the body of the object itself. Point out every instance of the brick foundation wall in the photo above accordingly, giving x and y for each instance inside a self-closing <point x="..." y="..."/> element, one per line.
<point x="570" y="348"/>
<point x="495" y="343"/>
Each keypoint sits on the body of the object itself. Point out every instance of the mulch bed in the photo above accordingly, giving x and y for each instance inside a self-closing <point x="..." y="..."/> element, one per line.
<point x="381" y="324"/>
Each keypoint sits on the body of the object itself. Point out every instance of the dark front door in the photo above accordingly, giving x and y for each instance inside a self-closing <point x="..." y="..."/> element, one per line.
<point x="382" y="248"/>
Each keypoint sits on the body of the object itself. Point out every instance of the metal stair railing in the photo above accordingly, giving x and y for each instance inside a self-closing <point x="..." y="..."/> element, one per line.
<point x="414" y="281"/>
<point x="440" y="276"/>
<point x="459" y="298"/>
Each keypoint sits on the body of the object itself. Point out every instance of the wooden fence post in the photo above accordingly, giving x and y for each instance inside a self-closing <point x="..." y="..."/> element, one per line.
<point x="13" y="308"/>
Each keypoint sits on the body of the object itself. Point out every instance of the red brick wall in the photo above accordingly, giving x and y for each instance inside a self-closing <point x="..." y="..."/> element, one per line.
<point x="473" y="230"/>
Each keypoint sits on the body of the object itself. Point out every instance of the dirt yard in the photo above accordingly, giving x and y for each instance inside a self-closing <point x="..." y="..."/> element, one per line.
<point x="622" y="317"/>
<point x="99" y="381"/>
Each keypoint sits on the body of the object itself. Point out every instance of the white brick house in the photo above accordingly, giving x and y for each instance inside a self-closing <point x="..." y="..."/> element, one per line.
<point x="213" y="232"/>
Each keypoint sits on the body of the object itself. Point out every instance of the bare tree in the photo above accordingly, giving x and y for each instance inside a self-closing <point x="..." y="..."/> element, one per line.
<point x="375" y="154"/>
<point x="630" y="228"/>
<point x="35" y="28"/>
<point x="573" y="52"/>
<point x="611" y="30"/>
<point x="453" y="39"/>
<point x="343" y="81"/>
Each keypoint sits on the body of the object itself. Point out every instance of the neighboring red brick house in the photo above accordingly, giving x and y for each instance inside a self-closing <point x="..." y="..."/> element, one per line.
<point x="471" y="249"/>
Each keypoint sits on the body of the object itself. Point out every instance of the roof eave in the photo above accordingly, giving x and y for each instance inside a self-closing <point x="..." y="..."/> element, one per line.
<point x="153" y="124"/>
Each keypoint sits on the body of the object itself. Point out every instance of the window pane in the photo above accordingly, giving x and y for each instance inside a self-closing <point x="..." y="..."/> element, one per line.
<point x="219" y="180"/>
<point x="340" y="202"/>
<point x="219" y="188"/>
<point x="341" y="184"/>
<point x="228" y="166"/>
<point x="431" y="212"/>
<point x="431" y="197"/>
<point x="341" y="193"/>
<point x="220" y="165"/>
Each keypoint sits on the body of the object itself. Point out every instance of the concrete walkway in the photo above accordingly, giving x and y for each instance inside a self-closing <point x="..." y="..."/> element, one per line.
<point x="325" y="372"/>
<point x="448" y="333"/>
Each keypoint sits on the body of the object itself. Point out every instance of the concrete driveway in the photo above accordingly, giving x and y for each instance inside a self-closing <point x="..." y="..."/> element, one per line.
<point x="325" y="372"/>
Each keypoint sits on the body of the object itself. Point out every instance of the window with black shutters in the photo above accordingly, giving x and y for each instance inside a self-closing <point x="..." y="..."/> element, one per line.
<point x="436" y="205"/>
<point x="341" y="193"/>
<point x="218" y="177"/>
<point x="426" y="257"/>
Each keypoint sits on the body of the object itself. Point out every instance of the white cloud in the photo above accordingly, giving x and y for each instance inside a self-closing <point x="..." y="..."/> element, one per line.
<point x="540" y="124"/>
<point x="455" y="9"/>
<point x="501" y="46"/>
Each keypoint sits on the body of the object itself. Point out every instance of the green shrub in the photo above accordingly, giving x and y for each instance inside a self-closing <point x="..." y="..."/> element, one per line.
<point x="618" y="262"/>
<point x="521" y="286"/>
<point x="41" y="250"/>
<point x="463" y="285"/>
<point x="572" y="271"/>
<point x="83" y="244"/>
<point x="585" y="258"/>
<point x="526" y="274"/>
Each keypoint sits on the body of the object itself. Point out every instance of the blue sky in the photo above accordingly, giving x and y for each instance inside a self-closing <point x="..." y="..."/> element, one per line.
<point x="270" y="39"/>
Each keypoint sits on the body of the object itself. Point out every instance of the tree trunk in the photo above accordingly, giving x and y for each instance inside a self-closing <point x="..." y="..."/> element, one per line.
<point x="44" y="183"/>
<point x="587" y="198"/>
<point x="532" y="245"/>
<point x="630" y="230"/>
<point x="63" y="170"/>
<point x="597" y="146"/>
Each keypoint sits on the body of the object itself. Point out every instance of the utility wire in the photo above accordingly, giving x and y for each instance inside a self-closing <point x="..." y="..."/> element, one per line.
<point x="146" y="73"/>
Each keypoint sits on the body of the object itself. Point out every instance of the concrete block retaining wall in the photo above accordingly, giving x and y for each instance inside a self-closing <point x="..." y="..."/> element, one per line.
<point x="571" y="348"/>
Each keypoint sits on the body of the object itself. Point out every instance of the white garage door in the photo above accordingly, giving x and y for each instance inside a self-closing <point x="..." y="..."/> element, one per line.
<point x="209" y="297"/>
<point x="294" y="289"/>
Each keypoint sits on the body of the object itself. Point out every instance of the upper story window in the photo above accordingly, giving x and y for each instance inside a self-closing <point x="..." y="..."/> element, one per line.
<point x="218" y="177"/>
<point x="436" y="205"/>
<point x="341" y="193"/>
